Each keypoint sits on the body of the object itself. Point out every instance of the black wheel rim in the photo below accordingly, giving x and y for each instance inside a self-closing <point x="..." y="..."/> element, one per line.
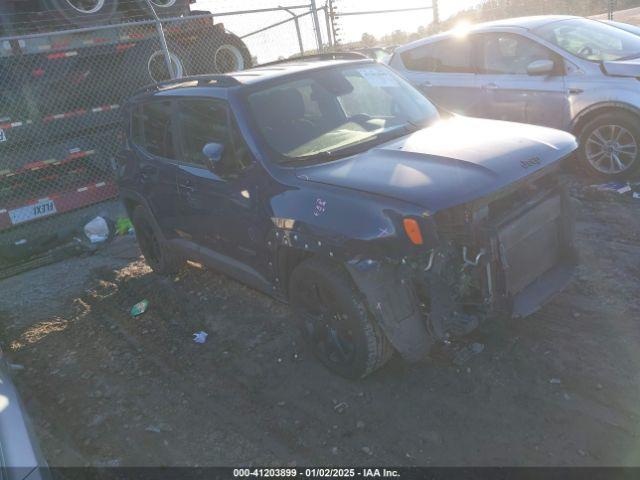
<point x="324" y="327"/>
<point x="149" y="244"/>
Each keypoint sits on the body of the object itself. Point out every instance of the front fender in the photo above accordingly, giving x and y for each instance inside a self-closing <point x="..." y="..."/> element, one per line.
<point x="394" y="306"/>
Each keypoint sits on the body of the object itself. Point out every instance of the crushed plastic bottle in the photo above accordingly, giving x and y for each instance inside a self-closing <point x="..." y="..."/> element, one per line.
<point x="139" y="308"/>
<point x="200" y="337"/>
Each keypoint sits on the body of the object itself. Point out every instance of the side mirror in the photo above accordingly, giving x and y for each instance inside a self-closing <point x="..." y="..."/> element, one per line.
<point x="541" y="67"/>
<point x="213" y="152"/>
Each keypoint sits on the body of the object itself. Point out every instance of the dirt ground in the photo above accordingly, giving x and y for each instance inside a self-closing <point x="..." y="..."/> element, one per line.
<point x="558" y="388"/>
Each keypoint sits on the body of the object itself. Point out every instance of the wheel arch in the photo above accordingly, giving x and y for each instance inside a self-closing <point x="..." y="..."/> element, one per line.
<point x="602" y="108"/>
<point x="131" y="200"/>
<point x="287" y="259"/>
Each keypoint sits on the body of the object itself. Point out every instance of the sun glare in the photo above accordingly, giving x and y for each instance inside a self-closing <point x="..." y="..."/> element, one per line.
<point x="462" y="29"/>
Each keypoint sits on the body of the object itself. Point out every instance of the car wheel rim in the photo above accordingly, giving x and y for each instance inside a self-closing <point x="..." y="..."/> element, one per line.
<point x="611" y="149"/>
<point x="324" y="328"/>
<point x="86" y="6"/>
<point x="228" y="59"/>
<point x="163" y="4"/>
<point x="157" y="66"/>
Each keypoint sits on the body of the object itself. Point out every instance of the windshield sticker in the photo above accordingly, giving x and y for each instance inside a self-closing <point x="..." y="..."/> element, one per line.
<point x="378" y="77"/>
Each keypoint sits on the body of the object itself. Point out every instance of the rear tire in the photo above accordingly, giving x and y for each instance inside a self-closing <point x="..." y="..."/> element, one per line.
<point x="164" y="8"/>
<point x="157" y="66"/>
<point x="610" y="146"/>
<point x="335" y="321"/>
<point x="83" y="13"/>
<point x="232" y="55"/>
<point x="156" y="253"/>
<point x="145" y="64"/>
<point x="219" y="52"/>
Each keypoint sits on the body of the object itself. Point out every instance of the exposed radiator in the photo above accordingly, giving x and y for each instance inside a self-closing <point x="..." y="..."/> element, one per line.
<point x="530" y="245"/>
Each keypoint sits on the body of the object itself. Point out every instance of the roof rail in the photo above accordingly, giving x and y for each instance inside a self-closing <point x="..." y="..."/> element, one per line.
<point x="319" y="57"/>
<point x="203" y="80"/>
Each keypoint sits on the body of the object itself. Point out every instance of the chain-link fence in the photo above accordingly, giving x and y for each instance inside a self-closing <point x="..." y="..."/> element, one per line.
<point x="62" y="89"/>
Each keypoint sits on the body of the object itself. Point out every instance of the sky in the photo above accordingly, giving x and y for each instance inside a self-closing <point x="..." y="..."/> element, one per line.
<point x="282" y="41"/>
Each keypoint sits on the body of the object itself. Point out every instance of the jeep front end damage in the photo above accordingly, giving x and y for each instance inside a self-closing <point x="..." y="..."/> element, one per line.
<point x="506" y="254"/>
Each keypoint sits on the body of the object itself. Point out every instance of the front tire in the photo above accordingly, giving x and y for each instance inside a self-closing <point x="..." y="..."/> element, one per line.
<point x="610" y="146"/>
<point x="156" y="253"/>
<point x="335" y="321"/>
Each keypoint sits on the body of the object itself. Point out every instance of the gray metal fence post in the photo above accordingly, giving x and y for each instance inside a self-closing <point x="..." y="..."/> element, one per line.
<point x="316" y="24"/>
<point x="163" y="41"/>
<point x="297" y="24"/>
<point x="327" y="20"/>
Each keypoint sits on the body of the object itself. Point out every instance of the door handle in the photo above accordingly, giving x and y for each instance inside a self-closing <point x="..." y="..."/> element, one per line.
<point x="427" y="84"/>
<point x="575" y="91"/>
<point x="491" y="86"/>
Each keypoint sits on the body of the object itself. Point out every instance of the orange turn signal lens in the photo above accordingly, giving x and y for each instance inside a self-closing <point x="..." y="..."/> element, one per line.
<point x="413" y="230"/>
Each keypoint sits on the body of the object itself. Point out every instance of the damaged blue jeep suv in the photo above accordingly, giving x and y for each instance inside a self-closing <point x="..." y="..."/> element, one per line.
<point x="334" y="185"/>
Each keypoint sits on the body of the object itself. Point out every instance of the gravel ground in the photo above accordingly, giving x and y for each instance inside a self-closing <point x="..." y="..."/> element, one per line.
<point x="558" y="388"/>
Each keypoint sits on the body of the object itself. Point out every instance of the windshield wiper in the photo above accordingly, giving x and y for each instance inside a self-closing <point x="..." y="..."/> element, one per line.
<point x="316" y="157"/>
<point x="382" y="137"/>
<point x="629" y="57"/>
<point x="417" y="125"/>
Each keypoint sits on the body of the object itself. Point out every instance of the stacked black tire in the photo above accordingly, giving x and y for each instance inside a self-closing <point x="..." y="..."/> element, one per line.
<point x="61" y="94"/>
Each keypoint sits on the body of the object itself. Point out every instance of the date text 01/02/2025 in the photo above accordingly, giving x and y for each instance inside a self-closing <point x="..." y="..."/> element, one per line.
<point x="316" y="472"/>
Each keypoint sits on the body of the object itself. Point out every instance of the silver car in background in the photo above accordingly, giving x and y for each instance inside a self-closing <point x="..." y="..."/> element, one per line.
<point x="565" y="72"/>
<point x="20" y="456"/>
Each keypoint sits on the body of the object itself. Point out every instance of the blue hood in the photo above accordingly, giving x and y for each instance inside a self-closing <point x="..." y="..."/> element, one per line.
<point x="449" y="163"/>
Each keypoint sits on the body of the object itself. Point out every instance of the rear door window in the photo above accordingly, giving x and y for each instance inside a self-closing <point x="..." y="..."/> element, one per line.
<point x="446" y="56"/>
<point x="152" y="128"/>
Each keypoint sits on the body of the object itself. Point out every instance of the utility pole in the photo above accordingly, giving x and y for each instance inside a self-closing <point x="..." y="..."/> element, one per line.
<point x="333" y="17"/>
<point x="436" y="12"/>
<point x="327" y="19"/>
<point x="612" y="7"/>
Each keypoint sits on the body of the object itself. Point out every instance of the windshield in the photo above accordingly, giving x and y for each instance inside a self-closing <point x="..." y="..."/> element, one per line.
<point x="326" y="112"/>
<point x="591" y="40"/>
<point x="624" y="26"/>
